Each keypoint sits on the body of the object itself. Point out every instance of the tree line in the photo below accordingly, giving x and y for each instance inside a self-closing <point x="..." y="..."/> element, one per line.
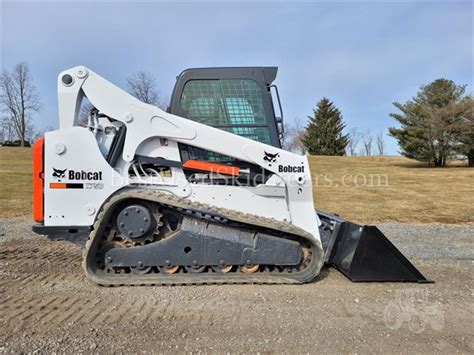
<point x="436" y="125"/>
<point x="20" y="102"/>
<point x="324" y="135"/>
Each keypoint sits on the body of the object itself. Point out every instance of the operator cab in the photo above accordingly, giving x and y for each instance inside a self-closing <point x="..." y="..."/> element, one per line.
<point x="236" y="99"/>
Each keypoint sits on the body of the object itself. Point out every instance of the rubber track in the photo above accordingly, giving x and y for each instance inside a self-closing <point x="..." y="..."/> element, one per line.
<point x="306" y="275"/>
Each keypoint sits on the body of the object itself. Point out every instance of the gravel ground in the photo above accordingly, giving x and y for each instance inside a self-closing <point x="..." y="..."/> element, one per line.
<point x="48" y="306"/>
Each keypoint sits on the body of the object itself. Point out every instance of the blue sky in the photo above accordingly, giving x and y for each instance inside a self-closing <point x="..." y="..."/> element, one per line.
<point x="361" y="55"/>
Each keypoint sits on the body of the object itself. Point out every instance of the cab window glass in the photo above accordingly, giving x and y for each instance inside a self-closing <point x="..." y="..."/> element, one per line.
<point x="229" y="102"/>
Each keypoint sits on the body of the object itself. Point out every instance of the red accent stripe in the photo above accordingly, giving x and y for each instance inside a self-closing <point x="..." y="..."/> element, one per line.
<point x="38" y="180"/>
<point x="57" y="185"/>
<point x="212" y="167"/>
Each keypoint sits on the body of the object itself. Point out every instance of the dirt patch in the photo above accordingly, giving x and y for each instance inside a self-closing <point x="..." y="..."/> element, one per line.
<point x="48" y="306"/>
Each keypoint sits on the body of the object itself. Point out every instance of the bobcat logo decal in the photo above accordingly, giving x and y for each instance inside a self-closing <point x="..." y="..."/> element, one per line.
<point x="271" y="158"/>
<point x="59" y="174"/>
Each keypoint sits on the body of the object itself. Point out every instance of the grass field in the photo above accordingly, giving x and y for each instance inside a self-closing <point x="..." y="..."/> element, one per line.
<point x="364" y="189"/>
<point x="382" y="189"/>
<point x="16" y="182"/>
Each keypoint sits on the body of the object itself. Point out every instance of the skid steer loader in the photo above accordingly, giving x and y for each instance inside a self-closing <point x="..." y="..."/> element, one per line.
<point x="202" y="193"/>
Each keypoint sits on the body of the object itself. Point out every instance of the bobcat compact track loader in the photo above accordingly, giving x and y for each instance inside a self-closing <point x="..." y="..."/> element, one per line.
<point x="200" y="194"/>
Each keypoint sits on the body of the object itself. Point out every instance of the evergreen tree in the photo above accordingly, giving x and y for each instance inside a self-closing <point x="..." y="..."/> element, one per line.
<point x="324" y="134"/>
<point x="432" y="122"/>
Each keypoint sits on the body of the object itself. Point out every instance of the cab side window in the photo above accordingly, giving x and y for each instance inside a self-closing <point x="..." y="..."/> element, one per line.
<point x="234" y="105"/>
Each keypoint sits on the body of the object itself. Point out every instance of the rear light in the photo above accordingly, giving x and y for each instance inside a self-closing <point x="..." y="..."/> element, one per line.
<point x="38" y="180"/>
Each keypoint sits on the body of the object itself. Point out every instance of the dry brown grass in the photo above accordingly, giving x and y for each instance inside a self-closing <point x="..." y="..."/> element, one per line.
<point x="407" y="192"/>
<point x="395" y="189"/>
<point x="16" y="182"/>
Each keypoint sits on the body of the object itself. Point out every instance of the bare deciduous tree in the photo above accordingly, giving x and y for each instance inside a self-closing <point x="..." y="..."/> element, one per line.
<point x="292" y="137"/>
<point x="287" y="136"/>
<point x="84" y="112"/>
<point x="7" y="130"/>
<point x="19" y="99"/>
<point x="354" y="138"/>
<point x="380" y="142"/>
<point x="35" y="133"/>
<point x="367" y="142"/>
<point x="142" y="85"/>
